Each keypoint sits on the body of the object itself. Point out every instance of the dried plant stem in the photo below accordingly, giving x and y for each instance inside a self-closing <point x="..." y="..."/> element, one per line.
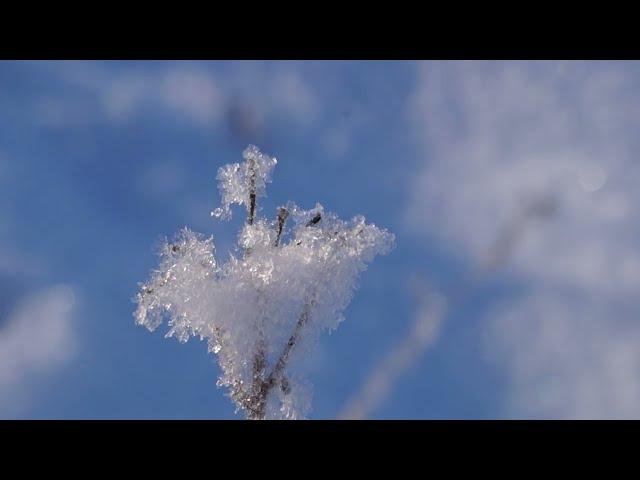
<point x="317" y="217"/>
<point x="426" y="326"/>
<point x="258" y="394"/>
<point x="261" y="388"/>
<point x="259" y="402"/>
<point x="269" y="297"/>
<point x="283" y="213"/>
<point x="259" y="360"/>
<point x="251" y="209"/>
<point x="276" y="374"/>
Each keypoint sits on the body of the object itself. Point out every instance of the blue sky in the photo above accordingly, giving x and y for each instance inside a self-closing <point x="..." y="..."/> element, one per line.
<point x="100" y="160"/>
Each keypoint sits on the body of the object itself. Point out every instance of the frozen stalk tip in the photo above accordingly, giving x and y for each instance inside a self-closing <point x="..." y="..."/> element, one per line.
<point x="263" y="309"/>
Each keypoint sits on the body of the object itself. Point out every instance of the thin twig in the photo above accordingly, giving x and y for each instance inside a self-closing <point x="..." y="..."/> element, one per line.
<point x="252" y="191"/>
<point x="286" y="351"/>
<point x="259" y="361"/>
<point x="379" y="384"/>
<point x="283" y="213"/>
<point x="314" y="220"/>
<point x="317" y="217"/>
<point x="254" y="405"/>
<point x="259" y="401"/>
<point x="276" y="376"/>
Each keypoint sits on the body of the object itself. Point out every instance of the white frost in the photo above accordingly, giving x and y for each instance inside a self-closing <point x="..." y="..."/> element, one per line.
<point x="236" y="180"/>
<point x="266" y="306"/>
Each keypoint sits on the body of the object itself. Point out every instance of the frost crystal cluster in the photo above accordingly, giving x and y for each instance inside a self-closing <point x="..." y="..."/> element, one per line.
<point x="263" y="309"/>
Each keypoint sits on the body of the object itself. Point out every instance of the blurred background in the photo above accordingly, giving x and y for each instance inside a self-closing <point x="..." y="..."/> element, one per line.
<point x="512" y="188"/>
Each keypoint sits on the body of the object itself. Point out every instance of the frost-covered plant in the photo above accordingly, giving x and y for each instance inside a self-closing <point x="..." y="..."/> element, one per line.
<point x="267" y="305"/>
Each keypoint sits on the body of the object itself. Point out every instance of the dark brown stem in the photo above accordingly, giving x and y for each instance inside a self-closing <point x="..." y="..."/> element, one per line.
<point x="260" y="360"/>
<point x="314" y="220"/>
<point x="259" y="403"/>
<point x="251" y="209"/>
<point x="276" y="374"/>
<point x="261" y="388"/>
<point x="259" y="368"/>
<point x="317" y="217"/>
<point x="283" y="213"/>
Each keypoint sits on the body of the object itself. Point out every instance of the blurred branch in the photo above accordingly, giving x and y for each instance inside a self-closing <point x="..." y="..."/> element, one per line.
<point x="378" y="385"/>
<point x="432" y="310"/>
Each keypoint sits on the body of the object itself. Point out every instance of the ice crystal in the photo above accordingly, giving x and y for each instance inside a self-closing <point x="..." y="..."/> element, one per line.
<point x="238" y="182"/>
<point x="266" y="306"/>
